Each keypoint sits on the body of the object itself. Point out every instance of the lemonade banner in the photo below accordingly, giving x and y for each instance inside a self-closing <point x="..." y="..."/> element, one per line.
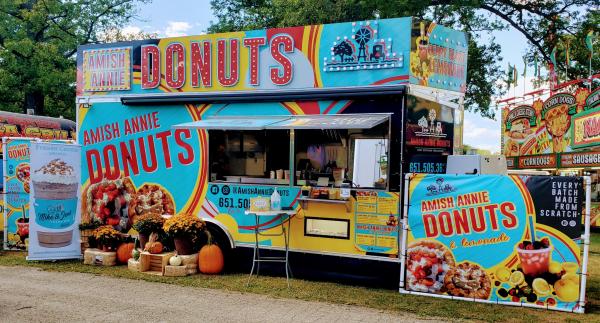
<point x="16" y="192"/>
<point x="54" y="213"/>
<point x="470" y="237"/>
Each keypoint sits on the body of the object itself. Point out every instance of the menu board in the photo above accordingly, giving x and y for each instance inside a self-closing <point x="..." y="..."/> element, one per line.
<point x="376" y="222"/>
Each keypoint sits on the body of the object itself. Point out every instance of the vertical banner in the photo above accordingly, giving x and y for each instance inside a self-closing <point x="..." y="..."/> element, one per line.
<point x="495" y="238"/>
<point x="54" y="215"/>
<point x="16" y="192"/>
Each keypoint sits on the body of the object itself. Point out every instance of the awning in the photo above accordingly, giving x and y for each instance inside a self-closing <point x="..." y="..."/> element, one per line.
<point x="232" y="123"/>
<point x="319" y="121"/>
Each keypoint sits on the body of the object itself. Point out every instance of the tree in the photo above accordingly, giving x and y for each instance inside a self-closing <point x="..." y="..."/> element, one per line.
<point x="342" y="49"/>
<point x="38" y="42"/>
<point x="542" y="23"/>
<point x="117" y="34"/>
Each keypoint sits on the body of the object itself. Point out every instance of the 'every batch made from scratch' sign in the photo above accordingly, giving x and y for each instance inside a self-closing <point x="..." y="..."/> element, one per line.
<point x="468" y="241"/>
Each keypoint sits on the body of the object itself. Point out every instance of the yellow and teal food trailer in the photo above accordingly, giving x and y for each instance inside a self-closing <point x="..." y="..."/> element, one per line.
<point x="201" y="124"/>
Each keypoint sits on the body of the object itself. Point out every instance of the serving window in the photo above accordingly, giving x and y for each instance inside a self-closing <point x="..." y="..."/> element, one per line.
<point x="336" y="157"/>
<point x="249" y="156"/>
<point x="317" y="150"/>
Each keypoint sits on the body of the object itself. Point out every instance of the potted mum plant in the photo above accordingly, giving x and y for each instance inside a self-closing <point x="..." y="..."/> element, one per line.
<point x="86" y="230"/>
<point x="146" y="224"/>
<point x="107" y="238"/>
<point x="185" y="230"/>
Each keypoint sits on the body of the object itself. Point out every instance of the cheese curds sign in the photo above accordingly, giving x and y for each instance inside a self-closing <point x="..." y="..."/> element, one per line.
<point x="468" y="241"/>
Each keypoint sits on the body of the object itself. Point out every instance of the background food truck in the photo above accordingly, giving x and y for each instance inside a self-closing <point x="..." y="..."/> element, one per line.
<point x="14" y="126"/>
<point x="557" y="132"/>
<point x="201" y="124"/>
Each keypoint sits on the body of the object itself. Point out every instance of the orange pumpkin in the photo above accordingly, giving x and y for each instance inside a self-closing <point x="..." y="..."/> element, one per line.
<point x="210" y="258"/>
<point x="124" y="252"/>
<point x="153" y="246"/>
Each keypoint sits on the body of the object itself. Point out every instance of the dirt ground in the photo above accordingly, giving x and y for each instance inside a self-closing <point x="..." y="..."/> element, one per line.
<point x="33" y="295"/>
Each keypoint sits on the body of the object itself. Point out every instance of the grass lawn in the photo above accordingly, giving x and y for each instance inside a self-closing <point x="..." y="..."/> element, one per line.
<point x="343" y="294"/>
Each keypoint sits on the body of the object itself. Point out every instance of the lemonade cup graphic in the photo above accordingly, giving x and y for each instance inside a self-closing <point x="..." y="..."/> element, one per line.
<point x="535" y="262"/>
<point x="55" y="188"/>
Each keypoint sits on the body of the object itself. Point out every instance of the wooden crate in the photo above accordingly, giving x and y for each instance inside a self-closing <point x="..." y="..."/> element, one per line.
<point x="189" y="266"/>
<point x="191" y="269"/>
<point x="84" y="237"/>
<point x="175" y="271"/>
<point x="154" y="263"/>
<point x="98" y="257"/>
<point x="133" y="265"/>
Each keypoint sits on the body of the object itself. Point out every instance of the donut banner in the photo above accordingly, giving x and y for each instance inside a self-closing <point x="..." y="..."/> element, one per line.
<point x="520" y="243"/>
<point x="16" y="189"/>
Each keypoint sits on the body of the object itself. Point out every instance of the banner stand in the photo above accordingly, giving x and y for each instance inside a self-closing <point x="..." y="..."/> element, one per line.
<point x="586" y="241"/>
<point x="13" y="186"/>
<point x="580" y="306"/>
<point x="404" y="231"/>
<point x="55" y="201"/>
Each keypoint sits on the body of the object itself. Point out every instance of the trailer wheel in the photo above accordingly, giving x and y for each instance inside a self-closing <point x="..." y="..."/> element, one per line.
<point x="220" y="238"/>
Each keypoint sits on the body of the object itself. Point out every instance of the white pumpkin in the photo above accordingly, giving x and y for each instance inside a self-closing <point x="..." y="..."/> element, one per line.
<point x="175" y="261"/>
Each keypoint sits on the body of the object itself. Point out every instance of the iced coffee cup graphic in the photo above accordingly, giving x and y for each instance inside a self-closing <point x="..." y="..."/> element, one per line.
<point x="55" y="190"/>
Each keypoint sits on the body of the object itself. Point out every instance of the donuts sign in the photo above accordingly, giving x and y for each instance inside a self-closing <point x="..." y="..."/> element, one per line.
<point x="474" y="243"/>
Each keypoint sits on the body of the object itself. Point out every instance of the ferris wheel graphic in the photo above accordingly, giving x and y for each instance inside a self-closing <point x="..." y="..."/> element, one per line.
<point x="362" y="37"/>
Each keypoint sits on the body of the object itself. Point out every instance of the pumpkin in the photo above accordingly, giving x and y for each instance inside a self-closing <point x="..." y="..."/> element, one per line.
<point x="135" y="254"/>
<point x="175" y="261"/>
<point x="124" y="252"/>
<point x="210" y="258"/>
<point x="153" y="246"/>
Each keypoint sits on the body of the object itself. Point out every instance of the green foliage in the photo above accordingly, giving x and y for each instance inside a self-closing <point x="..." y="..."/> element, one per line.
<point x="38" y="42"/>
<point x="541" y="22"/>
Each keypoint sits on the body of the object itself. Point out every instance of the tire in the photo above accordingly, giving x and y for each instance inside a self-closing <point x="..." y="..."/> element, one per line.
<point x="220" y="238"/>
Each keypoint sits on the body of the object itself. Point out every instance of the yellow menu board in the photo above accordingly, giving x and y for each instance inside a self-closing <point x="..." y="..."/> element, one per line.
<point x="376" y="222"/>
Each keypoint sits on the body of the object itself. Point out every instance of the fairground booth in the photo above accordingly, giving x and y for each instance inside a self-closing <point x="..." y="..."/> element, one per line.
<point x="330" y="116"/>
<point x="556" y="131"/>
<point x="16" y="132"/>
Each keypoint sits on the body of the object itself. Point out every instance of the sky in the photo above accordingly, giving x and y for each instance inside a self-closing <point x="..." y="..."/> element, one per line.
<point x="192" y="17"/>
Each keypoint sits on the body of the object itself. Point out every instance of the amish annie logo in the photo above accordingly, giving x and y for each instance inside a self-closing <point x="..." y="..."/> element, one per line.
<point x="439" y="187"/>
<point x="107" y="69"/>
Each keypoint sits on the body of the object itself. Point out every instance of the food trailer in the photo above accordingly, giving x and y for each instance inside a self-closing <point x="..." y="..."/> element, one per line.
<point x="16" y="130"/>
<point x="330" y="116"/>
<point x="559" y="133"/>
